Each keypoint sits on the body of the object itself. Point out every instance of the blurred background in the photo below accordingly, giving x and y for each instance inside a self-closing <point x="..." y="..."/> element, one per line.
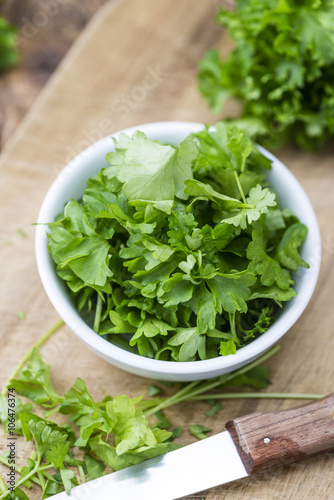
<point x="46" y="31"/>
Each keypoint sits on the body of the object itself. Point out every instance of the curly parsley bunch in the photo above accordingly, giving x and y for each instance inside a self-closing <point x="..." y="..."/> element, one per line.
<point x="281" y="70"/>
<point x="179" y="253"/>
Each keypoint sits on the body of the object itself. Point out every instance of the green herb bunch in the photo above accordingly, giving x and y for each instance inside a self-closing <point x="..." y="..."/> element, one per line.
<point x="92" y="438"/>
<point x="76" y="438"/>
<point x="113" y="432"/>
<point x="179" y="253"/>
<point x="8" y="52"/>
<point x="281" y="70"/>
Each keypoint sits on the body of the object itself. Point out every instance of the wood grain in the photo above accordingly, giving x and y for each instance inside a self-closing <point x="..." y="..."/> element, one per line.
<point x="268" y="440"/>
<point x="47" y="30"/>
<point x="136" y="62"/>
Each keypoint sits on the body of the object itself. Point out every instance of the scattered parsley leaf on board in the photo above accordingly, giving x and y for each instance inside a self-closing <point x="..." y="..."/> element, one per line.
<point x="199" y="431"/>
<point x="153" y="390"/>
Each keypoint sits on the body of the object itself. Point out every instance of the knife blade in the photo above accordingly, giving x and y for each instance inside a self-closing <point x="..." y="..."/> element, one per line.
<point x="252" y="444"/>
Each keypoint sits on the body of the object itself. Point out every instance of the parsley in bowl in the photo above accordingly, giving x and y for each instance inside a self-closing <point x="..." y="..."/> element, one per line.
<point x="178" y="251"/>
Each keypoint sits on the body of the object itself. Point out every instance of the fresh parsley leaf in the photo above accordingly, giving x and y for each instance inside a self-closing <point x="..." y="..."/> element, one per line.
<point x="272" y="292"/>
<point x="153" y="390"/>
<point x="135" y="440"/>
<point x="5" y="414"/>
<point x="215" y="408"/>
<point x="199" y="189"/>
<point x="177" y="432"/>
<point x="151" y="171"/>
<point x="57" y="454"/>
<point x="51" y="488"/>
<point x="231" y="291"/>
<point x="87" y="257"/>
<point x="17" y="494"/>
<point x="259" y="201"/>
<point x="43" y="432"/>
<point x="163" y="422"/>
<point x="257" y="377"/>
<point x="287" y="251"/>
<point x="69" y="479"/>
<point x="227" y="347"/>
<point x="34" y="381"/>
<point x="199" y="431"/>
<point x="95" y="468"/>
<point x="262" y="264"/>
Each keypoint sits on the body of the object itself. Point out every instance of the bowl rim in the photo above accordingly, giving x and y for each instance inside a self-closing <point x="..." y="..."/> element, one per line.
<point x="55" y="291"/>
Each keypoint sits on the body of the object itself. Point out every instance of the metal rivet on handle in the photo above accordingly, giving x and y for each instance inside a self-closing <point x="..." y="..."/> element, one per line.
<point x="266" y="440"/>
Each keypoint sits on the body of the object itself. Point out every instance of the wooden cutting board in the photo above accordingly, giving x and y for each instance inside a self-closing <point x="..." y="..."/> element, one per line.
<point x="136" y="62"/>
<point x="47" y="29"/>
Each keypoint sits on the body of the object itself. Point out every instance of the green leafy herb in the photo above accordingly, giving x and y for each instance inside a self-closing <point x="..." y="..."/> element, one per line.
<point x="215" y="408"/>
<point x="21" y="233"/>
<point x="34" y="381"/>
<point x="95" y="468"/>
<point x="177" y="432"/>
<point x="199" y="431"/>
<point x="8" y="52"/>
<point x="163" y="421"/>
<point x="281" y="70"/>
<point x="13" y="414"/>
<point x="114" y="432"/>
<point x="153" y="390"/>
<point x="179" y="253"/>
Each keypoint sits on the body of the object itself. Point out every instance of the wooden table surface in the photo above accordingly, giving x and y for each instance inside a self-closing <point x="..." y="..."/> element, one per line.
<point x="136" y="62"/>
<point x="46" y="31"/>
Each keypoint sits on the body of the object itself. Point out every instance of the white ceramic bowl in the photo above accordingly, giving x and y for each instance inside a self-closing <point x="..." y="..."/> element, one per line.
<point x="71" y="184"/>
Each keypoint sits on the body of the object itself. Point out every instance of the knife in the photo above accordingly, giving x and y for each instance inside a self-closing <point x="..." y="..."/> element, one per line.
<point x="252" y="444"/>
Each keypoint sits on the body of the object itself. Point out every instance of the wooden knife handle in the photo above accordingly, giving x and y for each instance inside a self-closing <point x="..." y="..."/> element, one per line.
<point x="267" y="440"/>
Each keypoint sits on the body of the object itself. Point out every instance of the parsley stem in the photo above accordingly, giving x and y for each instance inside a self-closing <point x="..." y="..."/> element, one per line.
<point x="180" y="395"/>
<point x="239" y="186"/>
<point x="258" y="395"/>
<point x="233" y="328"/>
<point x="228" y="376"/>
<point x="28" y="476"/>
<point x="18" y="469"/>
<point x="41" y="478"/>
<point x="26" y="357"/>
<point x="98" y="312"/>
<point x="82" y="474"/>
<point x="48" y="414"/>
<point x="194" y="389"/>
<point x="2" y="485"/>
